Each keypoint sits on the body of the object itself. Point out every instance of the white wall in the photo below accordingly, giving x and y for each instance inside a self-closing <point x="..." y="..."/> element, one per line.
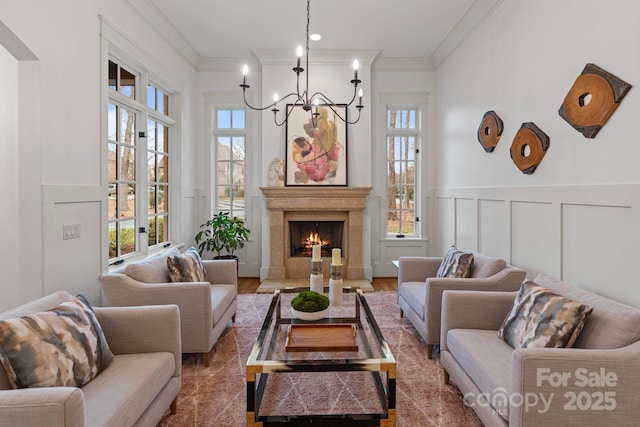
<point x="575" y="216"/>
<point x="62" y="122"/>
<point x="9" y="177"/>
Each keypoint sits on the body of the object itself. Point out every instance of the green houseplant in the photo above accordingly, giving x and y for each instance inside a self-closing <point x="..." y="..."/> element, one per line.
<point x="222" y="233"/>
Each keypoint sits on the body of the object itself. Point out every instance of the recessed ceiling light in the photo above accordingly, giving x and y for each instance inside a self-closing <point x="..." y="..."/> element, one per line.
<point x="315" y="37"/>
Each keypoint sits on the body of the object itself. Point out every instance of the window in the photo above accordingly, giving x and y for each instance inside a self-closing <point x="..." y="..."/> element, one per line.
<point x="138" y="146"/>
<point x="402" y="149"/>
<point x="230" y="136"/>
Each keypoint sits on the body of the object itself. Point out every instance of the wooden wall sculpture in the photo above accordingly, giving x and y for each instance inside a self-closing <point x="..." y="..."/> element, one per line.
<point x="592" y="99"/>
<point x="529" y="147"/>
<point x="489" y="131"/>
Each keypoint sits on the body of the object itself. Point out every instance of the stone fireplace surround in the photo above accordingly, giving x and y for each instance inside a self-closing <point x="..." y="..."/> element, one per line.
<point x="315" y="204"/>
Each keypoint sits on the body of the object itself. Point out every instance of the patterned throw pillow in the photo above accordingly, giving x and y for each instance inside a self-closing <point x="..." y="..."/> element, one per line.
<point x="541" y="318"/>
<point x="187" y="267"/>
<point x="64" y="346"/>
<point x="455" y="263"/>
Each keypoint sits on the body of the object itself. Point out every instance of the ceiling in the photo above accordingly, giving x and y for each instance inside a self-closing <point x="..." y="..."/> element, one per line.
<point x="234" y="28"/>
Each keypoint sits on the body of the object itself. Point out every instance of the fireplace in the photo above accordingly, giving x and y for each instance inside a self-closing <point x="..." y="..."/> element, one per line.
<point x="304" y="234"/>
<point x="339" y="207"/>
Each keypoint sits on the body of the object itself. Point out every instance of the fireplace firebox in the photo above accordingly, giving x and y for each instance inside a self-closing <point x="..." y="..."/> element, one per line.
<point x="304" y="234"/>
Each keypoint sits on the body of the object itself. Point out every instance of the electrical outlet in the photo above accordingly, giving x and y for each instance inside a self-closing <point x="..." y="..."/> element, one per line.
<point x="70" y="231"/>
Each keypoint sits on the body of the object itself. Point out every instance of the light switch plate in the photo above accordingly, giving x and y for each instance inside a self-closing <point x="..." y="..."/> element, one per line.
<point x="70" y="231"/>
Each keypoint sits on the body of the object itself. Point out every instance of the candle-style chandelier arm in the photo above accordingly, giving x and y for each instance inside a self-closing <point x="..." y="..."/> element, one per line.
<point x="337" y="113"/>
<point x="244" y="96"/>
<point x="287" y="113"/>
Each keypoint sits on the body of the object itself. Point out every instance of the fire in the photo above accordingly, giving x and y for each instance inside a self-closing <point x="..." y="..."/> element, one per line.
<point x="313" y="239"/>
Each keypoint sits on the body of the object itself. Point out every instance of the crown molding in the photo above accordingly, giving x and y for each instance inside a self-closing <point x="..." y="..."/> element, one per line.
<point x="159" y="23"/>
<point x="227" y="64"/>
<point x="317" y="56"/>
<point x="468" y="24"/>
<point x="403" y="64"/>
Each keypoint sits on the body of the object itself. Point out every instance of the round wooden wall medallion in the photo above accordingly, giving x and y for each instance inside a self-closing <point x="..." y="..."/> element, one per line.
<point x="489" y="131"/>
<point x="529" y="147"/>
<point x="592" y="99"/>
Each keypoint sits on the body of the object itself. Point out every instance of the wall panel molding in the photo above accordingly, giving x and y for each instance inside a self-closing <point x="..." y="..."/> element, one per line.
<point x="583" y="234"/>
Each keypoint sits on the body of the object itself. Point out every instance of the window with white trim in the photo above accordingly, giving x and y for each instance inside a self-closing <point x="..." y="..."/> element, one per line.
<point x="402" y="147"/>
<point x="230" y="137"/>
<point x="139" y="157"/>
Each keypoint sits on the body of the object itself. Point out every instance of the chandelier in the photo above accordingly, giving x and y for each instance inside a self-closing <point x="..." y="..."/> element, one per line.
<point x="309" y="102"/>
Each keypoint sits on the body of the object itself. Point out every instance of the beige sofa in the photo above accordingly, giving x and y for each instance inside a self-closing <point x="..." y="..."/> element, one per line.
<point x="420" y="292"/>
<point x="136" y="389"/>
<point x="205" y="307"/>
<point x="595" y="383"/>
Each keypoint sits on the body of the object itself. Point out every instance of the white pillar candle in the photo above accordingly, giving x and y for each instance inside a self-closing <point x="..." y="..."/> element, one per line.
<point x="335" y="257"/>
<point x="315" y="253"/>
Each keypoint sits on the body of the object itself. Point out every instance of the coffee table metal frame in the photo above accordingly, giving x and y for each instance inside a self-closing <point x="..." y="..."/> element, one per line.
<point x="260" y="364"/>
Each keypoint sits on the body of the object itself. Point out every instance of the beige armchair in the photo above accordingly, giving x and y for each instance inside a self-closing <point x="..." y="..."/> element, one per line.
<point x="420" y="292"/>
<point x="205" y="307"/>
<point x="137" y="388"/>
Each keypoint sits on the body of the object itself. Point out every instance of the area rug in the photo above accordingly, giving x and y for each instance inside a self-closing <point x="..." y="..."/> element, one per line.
<point x="216" y="396"/>
<point x="268" y="286"/>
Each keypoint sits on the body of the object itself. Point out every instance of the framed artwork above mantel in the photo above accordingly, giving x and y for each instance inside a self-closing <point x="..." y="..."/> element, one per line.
<point x="316" y="156"/>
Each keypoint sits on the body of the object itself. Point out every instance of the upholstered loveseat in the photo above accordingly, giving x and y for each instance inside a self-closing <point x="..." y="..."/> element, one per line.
<point x="135" y="389"/>
<point x="594" y="383"/>
<point x="205" y="307"/>
<point x="420" y="291"/>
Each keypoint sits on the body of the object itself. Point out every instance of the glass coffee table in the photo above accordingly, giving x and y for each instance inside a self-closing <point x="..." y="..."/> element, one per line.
<point x="346" y="377"/>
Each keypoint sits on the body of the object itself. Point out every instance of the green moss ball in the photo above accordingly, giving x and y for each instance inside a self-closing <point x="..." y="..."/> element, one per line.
<point x="310" y="302"/>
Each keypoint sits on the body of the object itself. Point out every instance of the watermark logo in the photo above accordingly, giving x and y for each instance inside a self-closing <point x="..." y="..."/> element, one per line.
<point x="591" y="390"/>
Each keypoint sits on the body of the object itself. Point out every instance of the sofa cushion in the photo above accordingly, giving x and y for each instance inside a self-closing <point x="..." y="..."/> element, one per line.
<point x="542" y="318"/>
<point x="455" y="263"/>
<point x="153" y="269"/>
<point x="123" y="391"/>
<point x="487" y="360"/>
<point x="486" y="266"/>
<point x="64" y="346"/>
<point x="221" y="297"/>
<point x="414" y="294"/>
<point x="611" y="324"/>
<point x="186" y="267"/>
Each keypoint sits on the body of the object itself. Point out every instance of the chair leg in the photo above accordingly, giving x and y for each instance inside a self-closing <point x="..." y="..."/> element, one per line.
<point x="445" y="376"/>
<point x="205" y="359"/>
<point x="174" y="406"/>
<point x="430" y="351"/>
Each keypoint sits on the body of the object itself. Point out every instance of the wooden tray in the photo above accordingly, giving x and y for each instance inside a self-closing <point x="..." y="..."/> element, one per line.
<point x="321" y="337"/>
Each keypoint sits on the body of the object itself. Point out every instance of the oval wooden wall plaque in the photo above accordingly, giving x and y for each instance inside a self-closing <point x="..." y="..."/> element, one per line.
<point x="490" y="130"/>
<point x="592" y="99"/>
<point x="529" y="147"/>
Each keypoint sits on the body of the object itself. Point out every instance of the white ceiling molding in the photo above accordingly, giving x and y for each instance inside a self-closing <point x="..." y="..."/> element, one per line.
<point x="165" y="29"/>
<point x="317" y="56"/>
<point x="403" y="64"/>
<point x="227" y="64"/>
<point x="475" y="16"/>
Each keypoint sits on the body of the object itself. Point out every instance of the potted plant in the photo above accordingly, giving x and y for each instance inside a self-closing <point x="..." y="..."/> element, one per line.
<point x="222" y="233"/>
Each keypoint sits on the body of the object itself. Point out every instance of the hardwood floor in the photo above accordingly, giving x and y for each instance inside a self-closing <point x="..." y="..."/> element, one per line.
<point x="249" y="285"/>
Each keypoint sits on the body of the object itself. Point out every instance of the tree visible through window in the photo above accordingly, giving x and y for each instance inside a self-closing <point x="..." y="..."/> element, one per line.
<point x="138" y="163"/>
<point x="230" y="156"/>
<point x="402" y="137"/>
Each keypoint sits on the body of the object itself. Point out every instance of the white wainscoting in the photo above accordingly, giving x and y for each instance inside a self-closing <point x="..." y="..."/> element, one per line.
<point x="582" y="234"/>
<point x="384" y="250"/>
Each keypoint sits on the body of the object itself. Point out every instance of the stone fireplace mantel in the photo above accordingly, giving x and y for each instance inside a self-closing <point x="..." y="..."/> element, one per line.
<point x="314" y="203"/>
